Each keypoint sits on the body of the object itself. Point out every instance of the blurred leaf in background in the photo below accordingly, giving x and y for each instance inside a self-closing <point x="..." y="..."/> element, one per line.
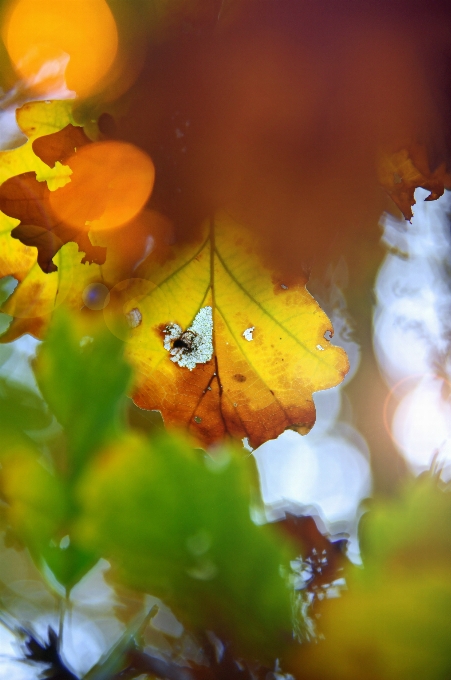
<point x="84" y="379"/>
<point x="394" y="621"/>
<point x="177" y="524"/>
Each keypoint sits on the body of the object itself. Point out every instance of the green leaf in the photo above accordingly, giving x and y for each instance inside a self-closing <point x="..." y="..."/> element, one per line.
<point x="36" y="503"/>
<point x="38" y="510"/>
<point x="21" y="410"/>
<point x="409" y="532"/>
<point x="83" y="379"/>
<point x="7" y="285"/>
<point x="177" y="523"/>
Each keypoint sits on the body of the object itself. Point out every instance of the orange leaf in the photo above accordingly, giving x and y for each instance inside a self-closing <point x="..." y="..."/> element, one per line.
<point x="402" y="172"/>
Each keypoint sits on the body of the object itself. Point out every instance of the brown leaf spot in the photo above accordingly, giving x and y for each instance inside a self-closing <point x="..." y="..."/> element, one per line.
<point x="239" y="377"/>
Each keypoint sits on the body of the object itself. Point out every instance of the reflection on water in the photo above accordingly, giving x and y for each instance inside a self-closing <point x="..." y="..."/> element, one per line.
<point x="412" y="331"/>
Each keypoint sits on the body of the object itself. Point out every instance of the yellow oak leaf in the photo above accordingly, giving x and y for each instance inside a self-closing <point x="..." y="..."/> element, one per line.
<point x="37" y="293"/>
<point x="37" y="119"/>
<point x="223" y="346"/>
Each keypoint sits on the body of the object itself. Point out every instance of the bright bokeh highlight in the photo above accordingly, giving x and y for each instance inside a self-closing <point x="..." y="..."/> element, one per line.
<point x="110" y="183"/>
<point x="422" y="424"/>
<point x="43" y="36"/>
<point x="412" y="333"/>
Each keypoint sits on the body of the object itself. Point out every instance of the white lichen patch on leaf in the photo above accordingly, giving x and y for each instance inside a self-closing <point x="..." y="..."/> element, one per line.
<point x="247" y="334"/>
<point x="172" y="332"/>
<point x="134" y="317"/>
<point x="193" y="346"/>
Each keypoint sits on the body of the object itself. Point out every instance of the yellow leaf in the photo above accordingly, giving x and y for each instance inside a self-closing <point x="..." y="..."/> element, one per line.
<point x="223" y="346"/>
<point x="38" y="293"/>
<point x="37" y="119"/>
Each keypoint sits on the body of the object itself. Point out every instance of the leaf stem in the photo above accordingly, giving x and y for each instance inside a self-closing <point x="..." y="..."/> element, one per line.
<point x="212" y="272"/>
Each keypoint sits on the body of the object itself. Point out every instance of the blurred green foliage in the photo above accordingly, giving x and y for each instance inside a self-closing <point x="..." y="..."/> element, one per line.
<point x="79" y="481"/>
<point x="83" y="379"/>
<point x="177" y="523"/>
<point x="394" y="621"/>
<point x="79" y="484"/>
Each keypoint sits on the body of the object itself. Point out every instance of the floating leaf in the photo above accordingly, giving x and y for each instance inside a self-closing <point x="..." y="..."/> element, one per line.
<point x="59" y="146"/>
<point x="26" y="196"/>
<point x="223" y="346"/>
<point x="36" y="119"/>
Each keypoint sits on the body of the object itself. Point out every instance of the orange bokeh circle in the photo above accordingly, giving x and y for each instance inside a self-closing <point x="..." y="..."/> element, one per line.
<point x="39" y="32"/>
<point x="110" y="183"/>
